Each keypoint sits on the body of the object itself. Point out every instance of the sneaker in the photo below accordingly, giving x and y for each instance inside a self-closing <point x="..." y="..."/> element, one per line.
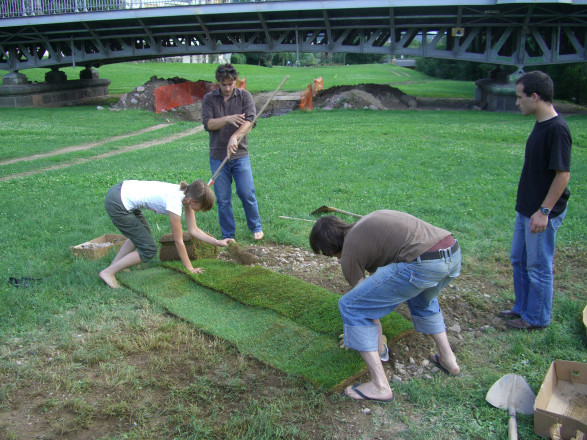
<point x="520" y="324"/>
<point x="508" y="314"/>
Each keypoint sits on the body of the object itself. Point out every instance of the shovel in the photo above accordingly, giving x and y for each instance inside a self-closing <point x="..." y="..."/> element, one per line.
<point x="325" y="208"/>
<point x="513" y="394"/>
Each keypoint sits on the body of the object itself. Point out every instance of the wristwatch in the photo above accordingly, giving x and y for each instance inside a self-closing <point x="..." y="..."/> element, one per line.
<point x="544" y="210"/>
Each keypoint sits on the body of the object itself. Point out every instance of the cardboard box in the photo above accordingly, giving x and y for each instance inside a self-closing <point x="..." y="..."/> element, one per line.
<point x="98" y="247"/>
<point x="562" y="399"/>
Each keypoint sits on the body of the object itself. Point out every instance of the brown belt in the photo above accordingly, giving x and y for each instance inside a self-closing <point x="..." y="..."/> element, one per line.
<point x="441" y="253"/>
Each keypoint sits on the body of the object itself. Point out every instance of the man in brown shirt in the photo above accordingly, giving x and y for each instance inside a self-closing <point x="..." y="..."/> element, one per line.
<point x="408" y="260"/>
<point x="227" y="113"/>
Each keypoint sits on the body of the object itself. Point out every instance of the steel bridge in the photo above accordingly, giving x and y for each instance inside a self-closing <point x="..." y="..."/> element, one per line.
<point x="90" y="33"/>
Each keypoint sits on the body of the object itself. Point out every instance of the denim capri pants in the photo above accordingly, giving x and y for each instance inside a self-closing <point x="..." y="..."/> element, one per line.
<point x="418" y="283"/>
<point x="132" y="224"/>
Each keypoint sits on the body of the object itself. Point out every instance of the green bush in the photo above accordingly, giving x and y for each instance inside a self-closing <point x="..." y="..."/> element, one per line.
<point x="453" y="69"/>
<point x="569" y="80"/>
<point x="238" y="58"/>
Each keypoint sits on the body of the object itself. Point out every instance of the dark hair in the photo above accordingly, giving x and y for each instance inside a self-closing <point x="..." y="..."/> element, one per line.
<point x="327" y="235"/>
<point x="537" y="82"/>
<point x="226" y="71"/>
<point x="200" y="193"/>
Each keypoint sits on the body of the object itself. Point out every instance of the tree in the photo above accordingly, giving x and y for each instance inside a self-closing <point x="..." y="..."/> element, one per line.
<point x="264" y="59"/>
<point x="453" y="69"/>
<point x="284" y="58"/>
<point x="569" y="81"/>
<point x="364" y="58"/>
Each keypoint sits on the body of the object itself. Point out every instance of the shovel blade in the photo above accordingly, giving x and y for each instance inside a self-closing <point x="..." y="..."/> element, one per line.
<point x="323" y="208"/>
<point x="512" y="392"/>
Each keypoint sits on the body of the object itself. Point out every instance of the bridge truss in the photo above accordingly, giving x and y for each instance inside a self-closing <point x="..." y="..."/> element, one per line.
<point x="507" y="32"/>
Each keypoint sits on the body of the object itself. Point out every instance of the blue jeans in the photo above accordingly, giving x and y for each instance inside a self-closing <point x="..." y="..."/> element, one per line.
<point x="240" y="170"/>
<point x="418" y="283"/>
<point x="532" y="256"/>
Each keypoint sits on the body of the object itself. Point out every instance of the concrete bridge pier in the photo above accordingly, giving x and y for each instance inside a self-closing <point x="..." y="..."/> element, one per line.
<point x="14" y="79"/>
<point x="55" y="76"/>
<point x="498" y="92"/>
<point x="55" y="91"/>
<point x="89" y="73"/>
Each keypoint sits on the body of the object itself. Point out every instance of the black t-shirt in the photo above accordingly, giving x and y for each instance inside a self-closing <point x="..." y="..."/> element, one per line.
<point x="548" y="149"/>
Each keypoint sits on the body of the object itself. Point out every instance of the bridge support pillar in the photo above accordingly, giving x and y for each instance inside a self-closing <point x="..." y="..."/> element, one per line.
<point x="55" y="76"/>
<point x="56" y="91"/>
<point x="89" y="73"/>
<point x="14" y="79"/>
<point x="498" y="92"/>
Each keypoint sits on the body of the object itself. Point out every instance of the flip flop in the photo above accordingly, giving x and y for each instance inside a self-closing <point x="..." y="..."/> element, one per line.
<point x="371" y="399"/>
<point x="384" y="356"/>
<point x="435" y="359"/>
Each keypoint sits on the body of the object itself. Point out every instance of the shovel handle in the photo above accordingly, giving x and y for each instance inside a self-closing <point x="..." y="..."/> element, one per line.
<point x="211" y="182"/>
<point x="347" y="213"/>
<point x="512" y="425"/>
<point x="296" y="218"/>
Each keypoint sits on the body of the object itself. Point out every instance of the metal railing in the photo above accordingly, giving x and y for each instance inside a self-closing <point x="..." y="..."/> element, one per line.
<point x="25" y="8"/>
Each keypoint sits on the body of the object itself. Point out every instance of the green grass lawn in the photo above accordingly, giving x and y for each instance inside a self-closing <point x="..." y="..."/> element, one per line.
<point x="126" y="77"/>
<point x="68" y="331"/>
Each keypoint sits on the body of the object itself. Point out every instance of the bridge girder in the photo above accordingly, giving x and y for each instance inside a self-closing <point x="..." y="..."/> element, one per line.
<point x="508" y="33"/>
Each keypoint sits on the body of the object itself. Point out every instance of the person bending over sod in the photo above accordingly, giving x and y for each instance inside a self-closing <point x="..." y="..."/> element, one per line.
<point x="124" y="202"/>
<point x="408" y="260"/>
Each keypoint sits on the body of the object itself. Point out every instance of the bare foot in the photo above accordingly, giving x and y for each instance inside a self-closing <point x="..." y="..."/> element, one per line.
<point x="448" y="366"/>
<point x="258" y="235"/>
<point x="109" y="279"/>
<point x="368" y="391"/>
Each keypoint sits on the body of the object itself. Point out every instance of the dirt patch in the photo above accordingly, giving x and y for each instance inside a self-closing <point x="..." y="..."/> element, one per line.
<point x="143" y="97"/>
<point x="372" y="96"/>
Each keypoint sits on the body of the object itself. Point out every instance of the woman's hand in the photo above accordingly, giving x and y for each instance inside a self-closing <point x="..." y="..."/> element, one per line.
<point x="224" y="242"/>
<point x="196" y="270"/>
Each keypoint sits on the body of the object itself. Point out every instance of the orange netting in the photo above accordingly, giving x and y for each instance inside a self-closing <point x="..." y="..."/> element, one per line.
<point x="186" y="93"/>
<point x="311" y="90"/>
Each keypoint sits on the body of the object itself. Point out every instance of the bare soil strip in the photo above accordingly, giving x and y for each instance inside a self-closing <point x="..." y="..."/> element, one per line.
<point x="84" y="146"/>
<point x="126" y="149"/>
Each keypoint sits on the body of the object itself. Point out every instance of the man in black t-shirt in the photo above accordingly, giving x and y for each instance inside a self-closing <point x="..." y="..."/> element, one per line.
<point x="541" y="203"/>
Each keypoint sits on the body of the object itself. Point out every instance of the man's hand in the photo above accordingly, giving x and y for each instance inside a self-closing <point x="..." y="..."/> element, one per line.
<point x="236" y="120"/>
<point x="232" y="146"/>
<point x="538" y="222"/>
<point x="196" y="270"/>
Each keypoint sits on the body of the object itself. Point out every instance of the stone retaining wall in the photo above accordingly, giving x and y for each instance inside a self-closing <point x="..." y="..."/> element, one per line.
<point x="53" y="94"/>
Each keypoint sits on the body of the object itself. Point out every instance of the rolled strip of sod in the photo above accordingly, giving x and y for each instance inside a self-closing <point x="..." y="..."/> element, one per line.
<point x="278" y="319"/>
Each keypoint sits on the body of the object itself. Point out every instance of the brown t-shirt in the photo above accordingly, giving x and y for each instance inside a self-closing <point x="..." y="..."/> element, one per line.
<point x="214" y="106"/>
<point x="385" y="237"/>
